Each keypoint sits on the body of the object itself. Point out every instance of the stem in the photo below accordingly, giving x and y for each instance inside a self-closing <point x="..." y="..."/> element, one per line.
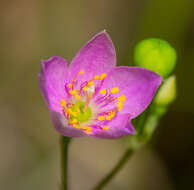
<point x="64" y="141"/>
<point x="116" y="169"/>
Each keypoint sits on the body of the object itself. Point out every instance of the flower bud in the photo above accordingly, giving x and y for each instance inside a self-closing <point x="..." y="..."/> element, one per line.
<point x="167" y="92"/>
<point x="156" y="55"/>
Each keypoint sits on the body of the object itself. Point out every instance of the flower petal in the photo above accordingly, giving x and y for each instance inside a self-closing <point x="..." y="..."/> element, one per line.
<point x="61" y="126"/>
<point x="54" y="73"/>
<point x="118" y="127"/>
<point x="137" y="84"/>
<point x="96" y="57"/>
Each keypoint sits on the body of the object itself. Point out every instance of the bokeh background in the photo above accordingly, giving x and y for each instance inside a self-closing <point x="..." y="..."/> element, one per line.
<point x="37" y="29"/>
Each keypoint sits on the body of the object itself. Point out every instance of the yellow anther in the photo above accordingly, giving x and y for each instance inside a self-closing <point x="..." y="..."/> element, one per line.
<point x="103" y="91"/>
<point x="74" y="120"/>
<point x="101" y="118"/>
<point x="77" y="110"/>
<point x="96" y="77"/>
<point x="108" y="118"/>
<point x="76" y="126"/>
<point x="70" y="112"/>
<point x="81" y="72"/>
<point x="119" y="103"/>
<point x="63" y="103"/>
<point x="112" y="114"/>
<point x="121" y="98"/>
<point x="119" y="106"/>
<point x="70" y="85"/>
<point x="72" y="92"/>
<point x="102" y="76"/>
<point x="90" y="83"/>
<point x="114" y="90"/>
<point x="105" y="128"/>
<point x="87" y="129"/>
<point x="77" y="96"/>
<point x="85" y="88"/>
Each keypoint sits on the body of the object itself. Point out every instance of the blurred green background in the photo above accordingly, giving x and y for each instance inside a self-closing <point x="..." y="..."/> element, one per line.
<point x="33" y="30"/>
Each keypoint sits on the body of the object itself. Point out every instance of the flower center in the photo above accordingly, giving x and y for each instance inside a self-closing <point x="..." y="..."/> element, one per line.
<point x="80" y="113"/>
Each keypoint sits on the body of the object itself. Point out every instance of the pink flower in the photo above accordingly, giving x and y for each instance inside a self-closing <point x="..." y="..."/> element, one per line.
<point x="93" y="97"/>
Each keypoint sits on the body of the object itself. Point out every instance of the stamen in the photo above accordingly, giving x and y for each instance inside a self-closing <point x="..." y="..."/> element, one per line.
<point x="74" y="120"/>
<point x="77" y="110"/>
<point x="108" y="118"/>
<point x="70" y="112"/>
<point x="121" y="98"/>
<point x="63" y="103"/>
<point x="96" y="77"/>
<point x="103" y="91"/>
<point x="112" y="99"/>
<point x="102" y="76"/>
<point x="87" y="129"/>
<point x="81" y="72"/>
<point x="85" y="88"/>
<point x="119" y="106"/>
<point x="90" y="83"/>
<point x="77" y="96"/>
<point x="114" y="90"/>
<point x="76" y="126"/>
<point x="101" y="118"/>
<point x="74" y="80"/>
<point x="105" y="128"/>
<point x="72" y="92"/>
<point x="70" y="85"/>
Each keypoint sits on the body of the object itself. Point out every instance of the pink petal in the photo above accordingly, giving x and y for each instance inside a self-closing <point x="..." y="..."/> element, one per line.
<point x="118" y="127"/>
<point x="62" y="127"/>
<point x="54" y="73"/>
<point x="96" y="57"/>
<point x="137" y="84"/>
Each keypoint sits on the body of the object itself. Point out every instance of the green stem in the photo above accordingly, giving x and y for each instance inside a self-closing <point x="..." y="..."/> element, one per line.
<point x="64" y="141"/>
<point x="116" y="169"/>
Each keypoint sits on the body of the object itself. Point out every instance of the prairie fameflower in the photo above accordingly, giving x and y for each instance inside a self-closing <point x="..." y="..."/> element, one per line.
<point x="93" y="97"/>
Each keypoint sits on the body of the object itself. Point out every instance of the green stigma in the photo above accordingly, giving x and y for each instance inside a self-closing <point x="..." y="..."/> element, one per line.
<point x="81" y="115"/>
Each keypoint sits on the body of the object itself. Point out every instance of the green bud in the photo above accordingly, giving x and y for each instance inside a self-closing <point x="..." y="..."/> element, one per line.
<point x="156" y="55"/>
<point x="167" y="92"/>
